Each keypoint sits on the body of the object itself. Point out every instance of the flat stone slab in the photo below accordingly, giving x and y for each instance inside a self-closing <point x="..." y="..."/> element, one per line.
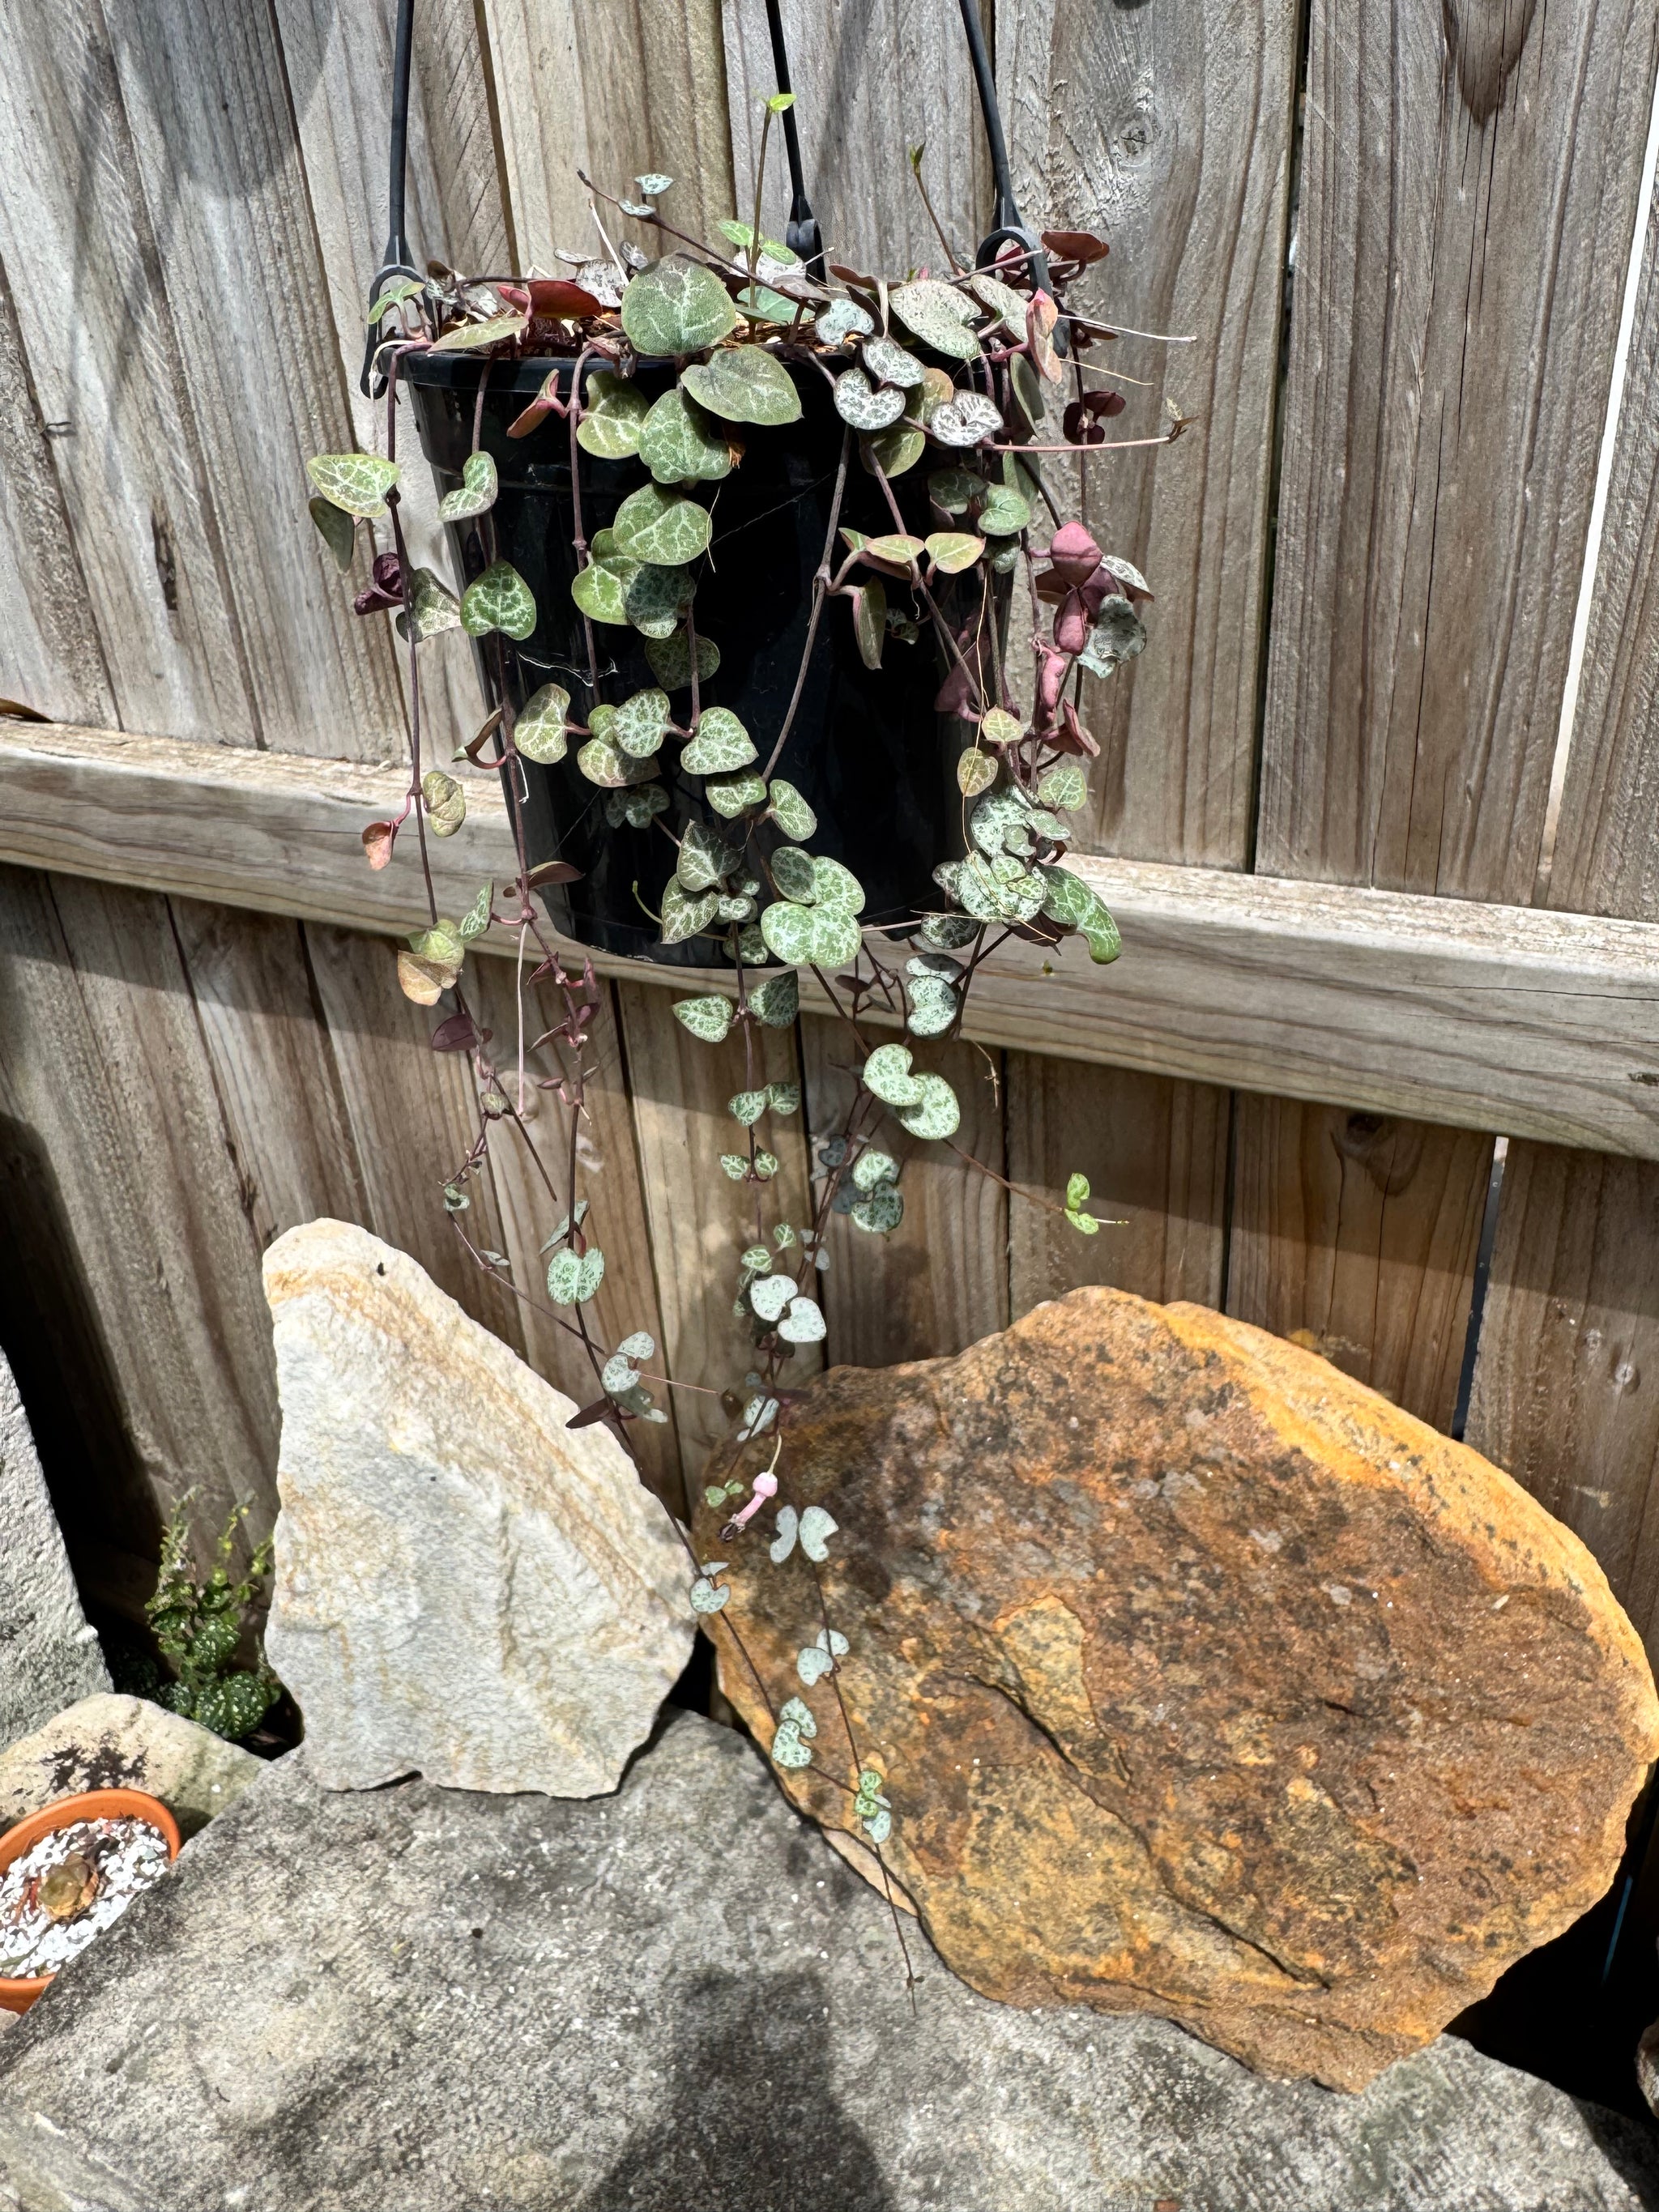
<point x="674" y="1999"/>
<point x="48" y="1655"/>
<point x="112" y="1743"/>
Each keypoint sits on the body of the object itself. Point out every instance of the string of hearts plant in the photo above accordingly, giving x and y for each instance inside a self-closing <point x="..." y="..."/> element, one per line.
<point x="672" y="367"/>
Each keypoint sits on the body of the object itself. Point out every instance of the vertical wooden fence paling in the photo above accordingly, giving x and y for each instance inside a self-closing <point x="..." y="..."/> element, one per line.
<point x="195" y="213"/>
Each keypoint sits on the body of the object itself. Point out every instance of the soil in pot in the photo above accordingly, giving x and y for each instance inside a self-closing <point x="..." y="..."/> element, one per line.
<point x="69" y="1872"/>
<point x="867" y="749"/>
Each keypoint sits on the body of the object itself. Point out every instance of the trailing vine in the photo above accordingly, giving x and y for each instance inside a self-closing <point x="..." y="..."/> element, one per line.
<point x="951" y="373"/>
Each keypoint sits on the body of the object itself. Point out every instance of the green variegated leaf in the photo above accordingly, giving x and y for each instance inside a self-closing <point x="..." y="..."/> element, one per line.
<point x="784" y="1097"/>
<point x="1077" y="1191"/>
<point x="499" y="599"/>
<point x="337" y="528"/>
<point x="1028" y="391"/>
<point x="445" y="802"/>
<point x="880" y="1212"/>
<point x="887" y="1076"/>
<point x="392" y="294"/>
<point x="710" y="1017"/>
<point x="936" y="1115"/>
<point x="999" y="728"/>
<point x="637" y="808"/>
<point x="788" y="1749"/>
<point x="539" y="731"/>
<point x="766" y="1165"/>
<point x="614" y="410"/>
<point x="804" y="1323"/>
<point x="747" y="1108"/>
<point x="967" y="420"/>
<point x="602" y="761"/>
<point x="641" y="723"/>
<point x="1128" y="575"/>
<point x="474" y="922"/>
<point x="953" y="551"/>
<point x="1005" y="513"/>
<point x="737" y="907"/>
<point x="685" y="915"/>
<point x="933" y="1005"/>
<point x="472" y="337"/>
<point x="775" y="1000"/>
<point x="719" y="745"/>
<point x="1001" y="822"/>
<point x="1002" y="890"/>
<point x="664" y="526"/>
<point x="817" y="1528"/>
<point x="655" y="599"/>
<point x="955" y="490"/>
<point x="678" y="443"/>
<point x="730" y="795"/>
<point x="839" y="320"/>
<point x="976" y="772"/>
<point x="435" y="607"/>
<point x="1064" y="787"/>
<point x="670" y="658"/>
<point x="873" y="1167"/>
<point x="865" y="405"/>
<point x="1068" y="899"/>
<point x="745" y="384"/>
<point x="476" y="493"/>
<point x="770" y="1295"/>
<point x="887" y="362"/>
<point x="356" y="482"/>
<point x="758" y="303"/>
<point x="573" y="1278"/>
<point x="1003" y="301"/>
<point x="734" y="1165"/>
<point x="839" y="890"/>
<point x="950" y="931"/>
<point x="790" y="810"/>
<point x="893" y="451"/>
<point x="938" y="314"/>
<point x="808" y="935"/>
<point x="1118" y="635"/>
<point x="676" y="307"/>
<point x="896" y="546"/>
<point x="793" y="875"/>
<point x="705" y="858"/>
<point x="870" y="620"/>
<point x="600" y="589"/>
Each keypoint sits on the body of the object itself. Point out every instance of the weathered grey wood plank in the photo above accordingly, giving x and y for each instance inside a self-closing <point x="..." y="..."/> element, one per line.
<point x="102" y="348"/>
<point x="1564" y="1394"/>
<point x="1168" y="129"/>
<point x="1468" y="190"/>
<point x="871" y="79"/>
<point x="1355" y="1235"/>
<point x="1155" y="1153"/>
<point x="1605" y="857"/>
<point x="653" y="81"/>
<point x="204" y="92"/>
<point x="536" y="63"/>
<point x="103" y="1066"/>
<point x="1535" y="1022"/>
<point x="338" y="61"/>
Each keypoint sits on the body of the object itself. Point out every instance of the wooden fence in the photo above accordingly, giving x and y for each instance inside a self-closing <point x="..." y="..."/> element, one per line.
<point x="1377" y="809"/>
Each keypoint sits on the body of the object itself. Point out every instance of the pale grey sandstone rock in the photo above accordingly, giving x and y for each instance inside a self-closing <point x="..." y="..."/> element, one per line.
<point x="48" y="1655"/>
<point x="465" y="1588"/>
<point x="674" y="1999"/>
<point x="110" y="1743"/>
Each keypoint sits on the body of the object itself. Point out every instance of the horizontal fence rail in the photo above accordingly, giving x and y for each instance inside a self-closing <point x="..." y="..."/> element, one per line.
<point x="1535" y="1023"/>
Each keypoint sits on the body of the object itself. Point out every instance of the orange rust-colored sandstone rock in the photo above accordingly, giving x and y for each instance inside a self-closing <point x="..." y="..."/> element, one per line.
<point x="1206" y="1682"/>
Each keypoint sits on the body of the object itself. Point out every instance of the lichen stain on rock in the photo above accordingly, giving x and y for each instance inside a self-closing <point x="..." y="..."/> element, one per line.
<point x="1206" y="1682"/>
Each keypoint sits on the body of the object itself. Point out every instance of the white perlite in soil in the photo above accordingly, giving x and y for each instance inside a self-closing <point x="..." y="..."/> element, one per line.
<point x="99" y="1866"/>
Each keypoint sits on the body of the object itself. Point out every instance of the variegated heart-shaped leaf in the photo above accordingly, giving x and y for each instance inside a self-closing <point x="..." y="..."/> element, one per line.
<point x="936" y="1115"/>
<point x="967" y="420"/>
<point x="719" y="745"/>
<point x="614" y="410"/>
<point x="600" y="589"/>
<point x="790" y="810"/>
<point x="745" y="384"/>
<point x="679" y="444"/>
<point x="602" y="761"/>
<point x="864" y="405"/>
<point x="669" y="656"/>
<point x="705" y="858"/>
<point x="499" y="599"/>
<point x="435" y="607"/>
<point x="356" y="482"/>
<point x="662" y="527"/>
<point x="710" y="1017"/>
<point x="338" y="529"/>
<point x="683" y="915"/>
<point x="476" y="494"/>
<point x="1068" y="899"/>
<point x="641" y="723"/>
<point x="676" y="307"/>
<point x="539" y="731"/>
<point x="938" y="314"/>
<point x="730" y="795"/>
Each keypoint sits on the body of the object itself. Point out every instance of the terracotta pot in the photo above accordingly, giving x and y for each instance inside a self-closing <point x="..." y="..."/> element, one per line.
<point x="18" y="1992"/>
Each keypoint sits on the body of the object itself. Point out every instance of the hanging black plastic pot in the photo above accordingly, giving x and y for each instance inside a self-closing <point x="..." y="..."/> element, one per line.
<point x="867" y="749"/>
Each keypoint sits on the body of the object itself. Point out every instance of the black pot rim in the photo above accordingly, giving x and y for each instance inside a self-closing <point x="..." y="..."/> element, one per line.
<point x="459" y="372"/>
